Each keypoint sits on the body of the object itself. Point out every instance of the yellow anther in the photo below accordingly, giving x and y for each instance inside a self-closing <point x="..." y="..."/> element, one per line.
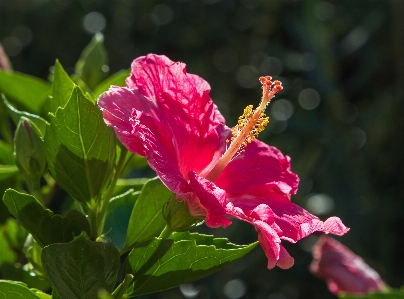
<point x="249" y="125"/>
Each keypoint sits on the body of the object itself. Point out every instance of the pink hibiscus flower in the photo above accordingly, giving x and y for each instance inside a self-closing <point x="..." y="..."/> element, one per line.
<point x="343" y="270"/>
<point x="167" y="115"/>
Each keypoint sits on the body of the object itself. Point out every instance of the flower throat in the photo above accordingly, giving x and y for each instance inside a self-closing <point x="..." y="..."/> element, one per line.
<point x="249" y="125"/>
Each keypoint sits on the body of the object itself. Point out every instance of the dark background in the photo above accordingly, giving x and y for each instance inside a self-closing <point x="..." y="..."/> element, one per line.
<point x="340" y="115"/>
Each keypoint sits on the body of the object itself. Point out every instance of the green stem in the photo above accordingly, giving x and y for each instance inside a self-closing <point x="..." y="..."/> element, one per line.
<point x="121" y="289"/>
<point x="93" y="219"/>
<point x="167" y="231"/>
<point x="35" y="190"/>
<point x="105" y="200"/>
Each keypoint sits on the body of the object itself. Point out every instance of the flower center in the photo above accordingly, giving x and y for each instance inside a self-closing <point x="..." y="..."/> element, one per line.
<point x="249" y="125"/>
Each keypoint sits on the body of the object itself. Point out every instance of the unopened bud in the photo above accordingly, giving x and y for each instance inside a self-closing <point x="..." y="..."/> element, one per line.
<point x="5" y="64"/>
<point x="29" y="150"/>
<point x="177" y="215"/>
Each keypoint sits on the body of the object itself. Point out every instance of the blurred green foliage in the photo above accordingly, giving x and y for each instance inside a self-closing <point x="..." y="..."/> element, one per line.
<point x="339" y="116"/>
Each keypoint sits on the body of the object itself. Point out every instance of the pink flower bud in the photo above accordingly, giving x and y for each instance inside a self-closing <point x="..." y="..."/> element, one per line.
<point x="344" y="271"/>
<point x="5" y="64"/>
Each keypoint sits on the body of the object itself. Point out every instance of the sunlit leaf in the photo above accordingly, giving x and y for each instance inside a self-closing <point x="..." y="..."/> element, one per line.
<point x="160" y="264"/>
<point x="89" y="68"/>
<point x="16" y="115"/>
<point x="149" y="205"/>
<point x="80" y="148"/>
<point x="13" y="290"/>
<point x="28" y="91"/>
<point x="62" y="88"/>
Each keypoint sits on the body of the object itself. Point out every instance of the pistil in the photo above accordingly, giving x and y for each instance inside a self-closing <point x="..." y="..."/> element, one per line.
<point x="249" y="125"/>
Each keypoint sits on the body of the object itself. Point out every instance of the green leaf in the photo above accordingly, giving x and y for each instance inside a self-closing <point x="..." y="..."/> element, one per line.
<point x="6" y="153"/>
<point x="117" y="217"/>
<point x="8" y="171"/>
<point x="79" y="269"/>
<point x="15" y="233"/>
<point x="17" y="272"/>
<point x="41" y="295"/>
<point x="12" y="238"/>
<point x="388" y="294"/>
<point x="80" y="148"/>
<point x="12" y="290"/>
<point x="33" y="252"/>
<point x="117" y="79"/>
<point x="62" y="88"/>
<point x="9" y="241"/>
<point x="8" y="168"/>
<point x="124" y="185"/>
<point x="92" y="60"/>
<point x="146" y="220"/>
<point x="45" y="227"/>
<point x="8" y="255"/>
<point x="102" y="294"/>
<point x="16" y="115"/>
<point x="28" y="91"/>
<point x="160" y="264"/>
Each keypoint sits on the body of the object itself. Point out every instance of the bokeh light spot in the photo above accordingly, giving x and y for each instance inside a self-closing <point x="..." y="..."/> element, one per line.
<point x="309" y="98"/>
<point x="320" y="204"/>
<point x="355" y="39"/>
<point x="105" y="68"/>
<point x="94" y="22"/>
<point x="357" y="138"/>
<point x="235" y="288"/>
<point x="189" y="290"/>
<point x="12" y="46"/>
<point x="282" y="109"/>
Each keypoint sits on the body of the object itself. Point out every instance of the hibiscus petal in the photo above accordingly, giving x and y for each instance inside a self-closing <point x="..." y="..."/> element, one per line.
<point x="294" y="221"/>
<point x="212" y="198"/>
<point x="214" y="201"/>
<point x="270" y="242"/>
<point x="136" y="122"/>
<point x="285" y="260"/>
<point x="269" y="233"/>
<point x="257" y="171"/>
<point x="197" y="125"/>
<point x="166" y="115"/>
<point x="117" y="109"/>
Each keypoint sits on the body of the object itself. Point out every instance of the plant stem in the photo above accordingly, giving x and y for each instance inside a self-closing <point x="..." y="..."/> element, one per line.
<point x="105" y="200"/>
<point x="167" y="231"/>
<point x="35" y="190"/>
<point x="93" y="219"/>
<point x="121" y="289"/>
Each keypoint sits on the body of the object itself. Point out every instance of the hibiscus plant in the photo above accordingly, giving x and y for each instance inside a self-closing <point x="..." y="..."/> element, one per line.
<point x="79" y="149"/>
